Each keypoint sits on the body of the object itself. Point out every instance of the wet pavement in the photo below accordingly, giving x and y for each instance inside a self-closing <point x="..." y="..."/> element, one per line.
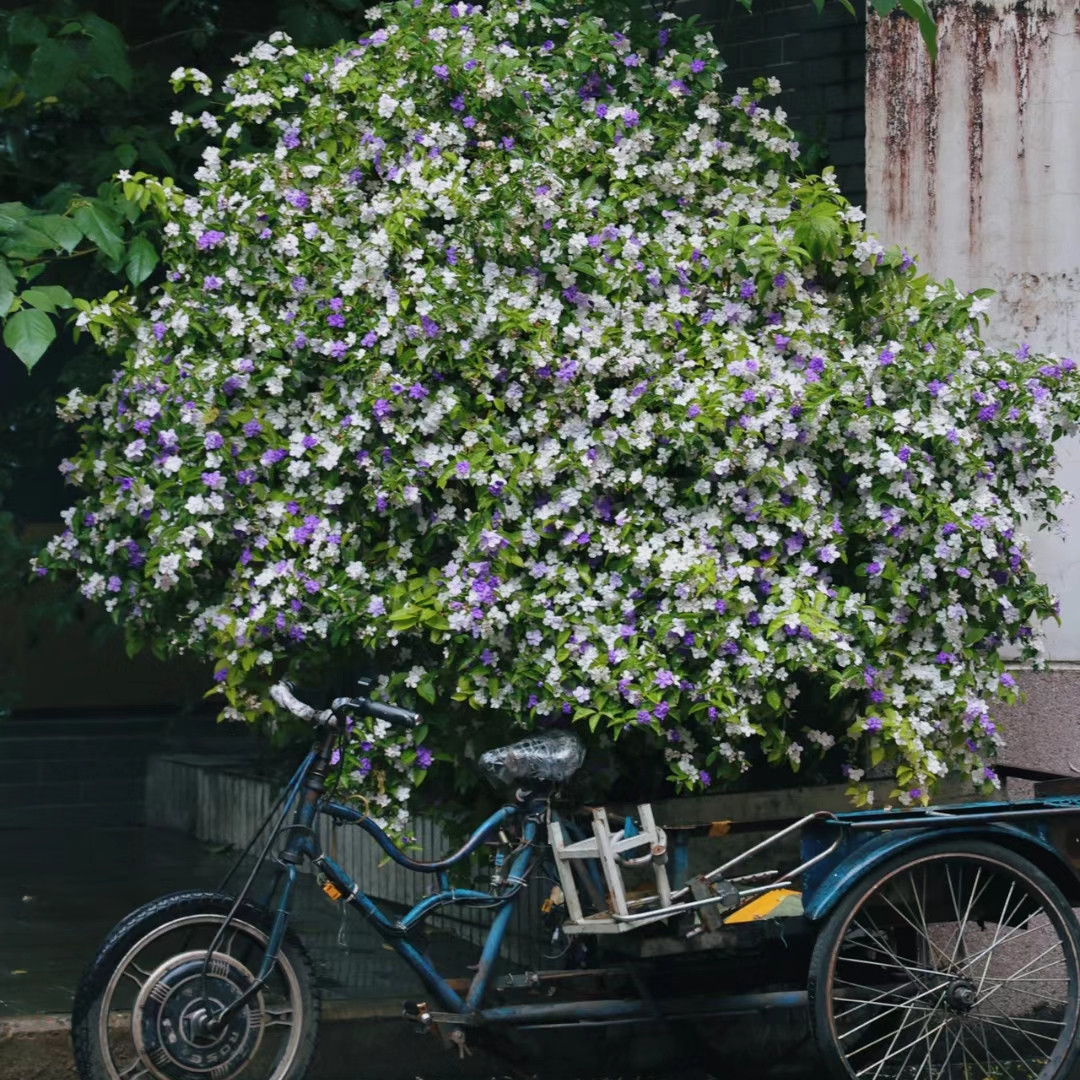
<point x="62" y="891"/>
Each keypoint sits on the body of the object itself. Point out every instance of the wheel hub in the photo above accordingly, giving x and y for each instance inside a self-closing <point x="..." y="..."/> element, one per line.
<point x="170" y="1019"/>
<point x="961" y="995"/>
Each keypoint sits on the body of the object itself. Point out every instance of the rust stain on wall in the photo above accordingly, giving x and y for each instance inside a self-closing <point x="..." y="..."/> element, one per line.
<point x="990" y="43"/>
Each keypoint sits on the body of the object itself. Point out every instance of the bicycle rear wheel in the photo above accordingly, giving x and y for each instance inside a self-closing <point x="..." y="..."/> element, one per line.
<point x="956" y="960"/>
<point x="137" y="1009"/>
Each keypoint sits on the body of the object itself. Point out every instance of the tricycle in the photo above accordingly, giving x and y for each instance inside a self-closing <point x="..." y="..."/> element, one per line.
<point x="932" y="942"/>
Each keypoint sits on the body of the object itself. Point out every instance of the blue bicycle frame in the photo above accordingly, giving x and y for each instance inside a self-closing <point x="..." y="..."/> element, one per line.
<point x="308" y="783"/>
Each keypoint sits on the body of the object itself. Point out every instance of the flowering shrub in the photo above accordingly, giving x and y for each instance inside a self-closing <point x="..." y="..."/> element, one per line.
<point x="518" y="351"/>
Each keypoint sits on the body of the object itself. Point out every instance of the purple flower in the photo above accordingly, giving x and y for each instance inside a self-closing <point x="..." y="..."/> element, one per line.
<point x="697" y="66"/>
<point x="369" y="339"/>
<point x="159" y="329"/>
<point x="221" y="674"/>
<point x="469" y="121"/>
<point x="705" y="778"/>
<point x="630" y="118"/>
<point x="442" y="71"/>
<point x="978" y="521"/>
<point x="665" y="678"/>
<point x="252" y="428"/>
<point x="213" y="480"/>
<point x="417" y="392"/>
<point x="382" y="408"/>
<point x="633" y="60"/>
<point x="338" y="349"/>
<point x="462" y="468"/>
<point x="600" y="110"/>
<point x="747" y="290"/>
<point x="873" y="569"/>
<point x="1007" y="680"/>
<point x="507" y="142"/>
<point x="290" y="139"/>
<point x="299" y="284"/>
<point x="431" y="328"/>
<point x="210" y="239"/>
<point x="886" y="357"/>
<point x="211" y="283"/>
<point x="213" y="440"/>
<point x="297" y="199"/>
<point x="376" y="606"/>
<point x="424" y="757"/>
<point x="873" y="723"/>
<point x="272" y="457"/>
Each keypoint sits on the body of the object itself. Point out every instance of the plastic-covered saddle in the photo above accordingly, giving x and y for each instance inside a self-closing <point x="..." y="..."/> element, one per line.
<point x="551" y="756"/>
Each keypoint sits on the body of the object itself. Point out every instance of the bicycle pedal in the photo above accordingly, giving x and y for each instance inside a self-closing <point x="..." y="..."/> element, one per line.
<point x="457" y="1038"/>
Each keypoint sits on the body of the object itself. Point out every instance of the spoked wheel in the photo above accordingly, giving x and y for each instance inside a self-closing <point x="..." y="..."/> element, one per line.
<point x="140" y="1011"/>
<point x="956" y="961"/>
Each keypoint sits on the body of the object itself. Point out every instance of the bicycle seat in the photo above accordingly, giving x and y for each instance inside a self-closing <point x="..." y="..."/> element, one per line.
<point x="552" y="756"/>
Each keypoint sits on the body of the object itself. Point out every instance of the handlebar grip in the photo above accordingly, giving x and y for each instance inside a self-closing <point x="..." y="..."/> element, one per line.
<point x="282" y="694"/>
<point x="391" y="714"/>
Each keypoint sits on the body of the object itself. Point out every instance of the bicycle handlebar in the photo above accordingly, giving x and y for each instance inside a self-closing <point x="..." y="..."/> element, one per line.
<point x="282" y="694"/>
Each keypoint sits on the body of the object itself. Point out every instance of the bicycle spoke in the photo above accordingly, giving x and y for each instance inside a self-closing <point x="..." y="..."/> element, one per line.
<point x="896" y="1035"/>
<point x="860" y="1003"/>
<point x="926" y="1060"/>
<point x="989" y="1052"/>
<point x="975" y="896"/>
<point x="140" y="983"/>
<point x="881" y="1038"/>
<point x="880" y="1015"/>
<point x="1013" y="989"/>
<point x="278" y="1017"/>
<point x="1011" y="1025"/>
<point x="863" y="1072"/>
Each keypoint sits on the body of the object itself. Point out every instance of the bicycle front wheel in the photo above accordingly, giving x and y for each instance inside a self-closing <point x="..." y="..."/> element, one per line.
<point x="955" y="961"/>
<point x="139" y="1009"/>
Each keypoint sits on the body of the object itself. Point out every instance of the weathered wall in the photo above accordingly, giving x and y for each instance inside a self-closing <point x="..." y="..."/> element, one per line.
<point x="974" y="163"/>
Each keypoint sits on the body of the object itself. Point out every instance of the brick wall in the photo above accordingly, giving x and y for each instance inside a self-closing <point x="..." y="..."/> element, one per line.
<point x="820" y="62"/>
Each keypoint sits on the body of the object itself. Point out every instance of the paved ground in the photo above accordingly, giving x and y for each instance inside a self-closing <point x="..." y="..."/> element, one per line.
<point x="60" y="893"/>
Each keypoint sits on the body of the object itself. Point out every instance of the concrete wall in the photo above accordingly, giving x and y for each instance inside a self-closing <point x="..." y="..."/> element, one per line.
<point x="973" y="162"/>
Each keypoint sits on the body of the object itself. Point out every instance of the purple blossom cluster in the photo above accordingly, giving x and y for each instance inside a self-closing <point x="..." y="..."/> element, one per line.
<point x="518" y="413"/>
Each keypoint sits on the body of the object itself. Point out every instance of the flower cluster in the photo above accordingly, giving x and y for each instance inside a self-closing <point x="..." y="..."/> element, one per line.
<point x="518" y="349"/>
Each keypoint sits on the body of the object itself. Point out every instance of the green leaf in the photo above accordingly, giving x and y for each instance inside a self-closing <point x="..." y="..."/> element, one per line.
<point x="107" y="51"/>
<point x="61" y="229"/>
<point x="918" y="10"/>
<point x="883" y="7"/>
<point x="25" y="28"/>
<point x="126" y="154"/>
<point x="141" y="260"/>
<point x="99" y="225"/>
<point x="773" y="698"/>
<point x="427" y="692"/>
<point x="25" y="242"/>
<point x="7" y="287"/>
<point x="28" y="333"/>
<point x="52" y="65"/>
<point x="819" y="231"/>
<point x="47" y="298"/>
<point x="11" y="213"/>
